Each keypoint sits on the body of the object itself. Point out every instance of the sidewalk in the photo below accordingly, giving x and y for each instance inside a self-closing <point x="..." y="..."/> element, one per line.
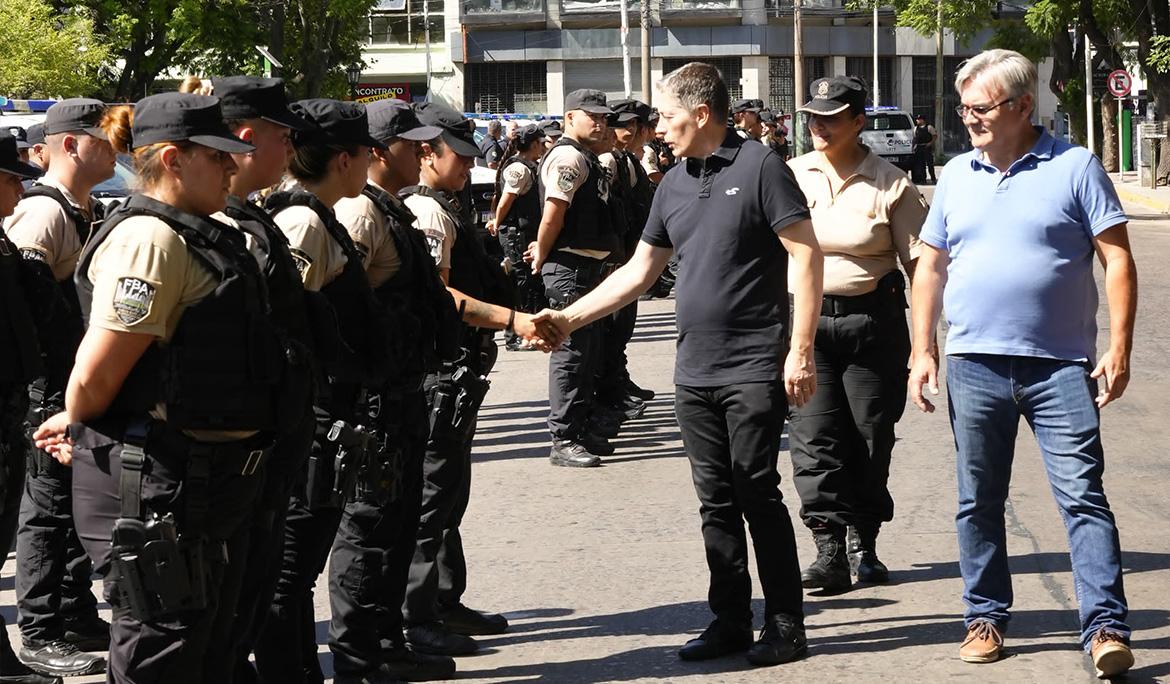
<point x="1130" y="190"/>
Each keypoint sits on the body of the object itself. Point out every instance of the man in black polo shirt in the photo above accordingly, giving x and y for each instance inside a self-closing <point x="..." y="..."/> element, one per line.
<point x="721" y="213"/>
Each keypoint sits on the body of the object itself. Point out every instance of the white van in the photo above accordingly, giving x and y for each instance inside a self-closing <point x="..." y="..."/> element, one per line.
<point x="889" y="132"/>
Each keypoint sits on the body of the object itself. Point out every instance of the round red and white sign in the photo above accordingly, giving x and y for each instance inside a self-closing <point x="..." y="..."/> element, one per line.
<point x="1120" y="83"/>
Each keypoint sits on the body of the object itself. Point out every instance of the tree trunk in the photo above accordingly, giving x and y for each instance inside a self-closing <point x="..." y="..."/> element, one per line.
<point x="1109" y="138"/>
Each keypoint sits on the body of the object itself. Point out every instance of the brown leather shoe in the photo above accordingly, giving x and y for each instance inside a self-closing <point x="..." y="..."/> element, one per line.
<point x="1111" y="655"/>
<point x="983" y="644"/>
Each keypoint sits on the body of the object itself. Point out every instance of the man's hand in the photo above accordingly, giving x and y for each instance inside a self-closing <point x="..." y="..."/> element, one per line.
<point x="556" y="323"/>
<point x="800" y="377"/>
<point x="492" y="228"/>
<point x="50" y="437"/>
<point x="536" y="256"/>
<point x="1114" y="368"/>
<point x="539" y="332"/>
<point x="924" y="370"/>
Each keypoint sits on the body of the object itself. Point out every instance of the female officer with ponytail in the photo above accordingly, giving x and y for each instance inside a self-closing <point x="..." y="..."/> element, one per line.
<point x="176" y="392"/>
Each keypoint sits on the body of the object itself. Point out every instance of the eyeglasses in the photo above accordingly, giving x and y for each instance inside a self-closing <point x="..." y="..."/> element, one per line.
<point x="979" y="111"/>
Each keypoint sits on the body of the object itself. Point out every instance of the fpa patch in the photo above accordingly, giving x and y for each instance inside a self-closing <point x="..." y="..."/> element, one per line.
<point x="567" y="178"/>
<point x="133" y="298"/>
<point x="514" y="174"/>
<point x="29" y="254"/>
<point x="302" y="260"/>
<point x="362" y="250"/>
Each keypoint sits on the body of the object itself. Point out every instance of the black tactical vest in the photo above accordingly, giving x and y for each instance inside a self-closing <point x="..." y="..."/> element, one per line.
<point x="922" y="135"/>
<point x="588" y="221"/>
<point x="358" y="340"/>
<point x="416" y="288"/>
<point x="641" y="197"/>
<point x="62" y="326"/>
<point x="473" y="272"/>
<point x="286" y="292"/>
<point x="526" y="209"/>
<point x="19" y="350"/>
<point x="226" y="366"/>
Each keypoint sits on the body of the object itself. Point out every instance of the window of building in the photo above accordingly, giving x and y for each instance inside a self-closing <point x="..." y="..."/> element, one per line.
<point x="814" y="68"/>
<point x="781" y="94"/>
<point x="862" y="67"/>
<point x="952" y="132"/>
<point x="400" y="22"/>
<point x="506" y="87"/>
<point x="691" y="5"/>
<point x="633" y="6"/>
<point x="730" y="67"/>
<point x="502" y="6"/>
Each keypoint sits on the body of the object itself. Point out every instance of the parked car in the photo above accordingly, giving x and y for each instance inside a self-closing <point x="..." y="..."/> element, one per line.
<point x="889" y="132"/>
<point x="121" y="186"/>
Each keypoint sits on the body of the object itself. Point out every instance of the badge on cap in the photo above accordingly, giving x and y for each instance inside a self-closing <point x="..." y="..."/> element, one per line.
<point x="823" y="89"/>
<point x="133" y="298"/>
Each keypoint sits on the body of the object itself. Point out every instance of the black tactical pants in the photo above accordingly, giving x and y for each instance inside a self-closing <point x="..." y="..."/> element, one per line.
<point x="614" y="374"/>
<point x="530" y="296"/>
<point x="172" y="648"/>
<point x="842" y="439"/>
<point x="13" y="446"/>
<point x="732" y="439"/>
<point x="572" y="368"/>
<point x="374" y="547"/>
<point x="263" y="547"/>
<point x="286" y="647"/>
<point x="52" y="570"/>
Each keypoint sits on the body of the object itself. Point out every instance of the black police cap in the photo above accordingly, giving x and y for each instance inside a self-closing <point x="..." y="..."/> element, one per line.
<point x="36" y="134"/>
<point x="748" y="105"/>
<point x="10" y="158"/>
<point x="628" y="110"/>
<point x="76" y="114"/>
<point x="20" y="135"/>
<point x="456" y="129"/>
<point x="393" y="118"/>
<point x="587" y="99"/>
<point x="256" y="97"/>
<point x="179" y="117"/>
<point x="333" y="123"/>
<point x="835" y="94"/>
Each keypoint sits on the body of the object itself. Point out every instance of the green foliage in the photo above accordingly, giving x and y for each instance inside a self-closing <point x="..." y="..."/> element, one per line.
<point x="321" y="38"/>
<point x="1010" y="34"/>
<point x="47" y="53"/>
<point x="964" y="18"/>
<point x="1159" y="59"/>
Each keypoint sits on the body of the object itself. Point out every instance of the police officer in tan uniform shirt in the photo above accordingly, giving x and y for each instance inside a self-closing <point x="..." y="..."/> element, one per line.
<point x="58" y="613"/>
<point x="20" y="351"/>
<point x="867" y="215"/>
<point x="173" y="401"/>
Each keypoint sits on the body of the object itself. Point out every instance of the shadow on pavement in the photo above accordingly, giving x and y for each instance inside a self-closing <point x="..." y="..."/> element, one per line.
<point x="1046" y="561"/>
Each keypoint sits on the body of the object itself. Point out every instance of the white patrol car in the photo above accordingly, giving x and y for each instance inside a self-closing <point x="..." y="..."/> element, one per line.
<point x="889" y="132"/>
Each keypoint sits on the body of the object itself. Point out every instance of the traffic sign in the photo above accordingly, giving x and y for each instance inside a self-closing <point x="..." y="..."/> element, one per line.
<point x="1120" y="83"/>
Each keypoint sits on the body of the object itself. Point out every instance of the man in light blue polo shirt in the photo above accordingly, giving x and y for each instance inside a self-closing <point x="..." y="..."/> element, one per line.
<point x="1012" y="235"/>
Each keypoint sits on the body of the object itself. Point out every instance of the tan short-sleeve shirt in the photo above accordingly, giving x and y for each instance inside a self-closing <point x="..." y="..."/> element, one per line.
<point x="563" y="170"/>
<point x="317" y="255"/>
<point x="368" y="227"/>
<point x="144" y="277"/>
<point x="872" y="222"/>
<point x="42" y="231"/>
<point x="517" y="179"/>
<point x="650" y="160"/>
<point x="437" y="227"/>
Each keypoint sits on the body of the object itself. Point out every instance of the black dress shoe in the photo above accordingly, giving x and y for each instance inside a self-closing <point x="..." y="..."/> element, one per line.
<point x="639" y="392"/>
<point x="464" y="620"/>
<point x="9" y="675"/>
<point x="716" y="641"/>
<point x="60" y="658"/>
<point x="88" y="633"/>
<point x="570" y="454"/>
<point x="402" y="663"/>
<point x="435" y="639"/>
<point x="596" y="444"/>
<point x="781" y="641"/>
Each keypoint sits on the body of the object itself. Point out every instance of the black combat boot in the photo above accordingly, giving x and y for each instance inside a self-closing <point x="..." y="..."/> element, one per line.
<point x="12" y="671"/>
<point x="830" y="570"/>
<point x="863" y="560"/>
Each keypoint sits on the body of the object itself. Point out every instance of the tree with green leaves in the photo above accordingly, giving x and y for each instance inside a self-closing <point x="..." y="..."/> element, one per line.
<point x="317" y="39"/>
<point x="48" y="53"/>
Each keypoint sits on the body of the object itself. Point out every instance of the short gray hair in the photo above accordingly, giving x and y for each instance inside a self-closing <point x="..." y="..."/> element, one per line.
<point x="494" y="126"/>
<point x="697" y="83"/>
<point x="1010" y="71"/>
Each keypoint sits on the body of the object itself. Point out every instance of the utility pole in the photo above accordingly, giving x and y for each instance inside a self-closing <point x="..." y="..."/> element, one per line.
<point x="797" y="75"/>
<point x="1090" y="136"/>
<point x="626" y="48"/>
<point x="938" y="77"/>
<point x="876" y="103"/>
<point x="645" y="7"/>
<point x="427" y="38"/>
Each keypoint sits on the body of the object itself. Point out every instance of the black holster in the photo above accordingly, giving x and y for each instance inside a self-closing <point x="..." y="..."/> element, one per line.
<point x="334" y="472"/>
<point x="470" y="390"/>
<point x="158" y="574"/>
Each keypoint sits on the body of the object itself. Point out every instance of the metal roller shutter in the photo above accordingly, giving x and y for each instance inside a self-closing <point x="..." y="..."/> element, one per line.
<point x="604" y="75"/>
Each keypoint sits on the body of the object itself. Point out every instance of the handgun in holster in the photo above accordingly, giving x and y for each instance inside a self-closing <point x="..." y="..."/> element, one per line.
<point x="353" y="443"/>
<point x="40" y="409"/>
<point x="154" y="571"/>
<point x="471" y="388"/>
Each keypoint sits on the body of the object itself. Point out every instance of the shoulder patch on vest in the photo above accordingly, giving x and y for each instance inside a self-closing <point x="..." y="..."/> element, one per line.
<point x="363" y="250"/>
<point x="34" y="255"/>
<point x="133" y="298"/>
<point x="514" y="173"/>
<point x="302" y="260"/>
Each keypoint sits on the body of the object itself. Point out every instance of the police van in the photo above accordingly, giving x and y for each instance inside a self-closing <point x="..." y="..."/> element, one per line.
<point x="889" y="132"/>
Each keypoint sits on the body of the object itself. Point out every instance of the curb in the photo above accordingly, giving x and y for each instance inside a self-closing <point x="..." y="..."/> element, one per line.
<point x="1144" y="200"/>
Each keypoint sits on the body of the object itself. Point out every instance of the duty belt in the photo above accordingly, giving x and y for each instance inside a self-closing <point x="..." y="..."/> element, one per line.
<point x="889" y="290"/>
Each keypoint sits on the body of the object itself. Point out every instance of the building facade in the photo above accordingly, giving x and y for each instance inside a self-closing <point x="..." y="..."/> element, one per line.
<point x="523" y="56"/>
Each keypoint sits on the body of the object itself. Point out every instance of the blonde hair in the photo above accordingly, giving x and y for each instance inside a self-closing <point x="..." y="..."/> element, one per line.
<point x="118" y="123"/>
<point x="1010" y="71"/>
<point x="193" y="84"/>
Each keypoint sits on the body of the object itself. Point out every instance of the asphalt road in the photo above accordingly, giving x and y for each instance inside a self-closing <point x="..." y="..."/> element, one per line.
<point x="602" y="572"/>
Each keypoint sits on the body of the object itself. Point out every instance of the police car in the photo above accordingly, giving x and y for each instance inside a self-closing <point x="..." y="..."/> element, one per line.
<point x="889" y="132"/>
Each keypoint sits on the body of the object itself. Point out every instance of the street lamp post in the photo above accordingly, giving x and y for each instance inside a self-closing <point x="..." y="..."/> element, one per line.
<point x="353" y="74"/>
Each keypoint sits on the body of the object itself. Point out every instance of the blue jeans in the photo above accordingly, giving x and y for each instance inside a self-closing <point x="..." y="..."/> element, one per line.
<point x="988" y="394"/>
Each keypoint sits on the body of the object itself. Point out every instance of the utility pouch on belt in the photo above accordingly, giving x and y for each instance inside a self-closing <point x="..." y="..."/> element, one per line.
<point x="40" y="409"/>
<point x="380" y="476"/>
